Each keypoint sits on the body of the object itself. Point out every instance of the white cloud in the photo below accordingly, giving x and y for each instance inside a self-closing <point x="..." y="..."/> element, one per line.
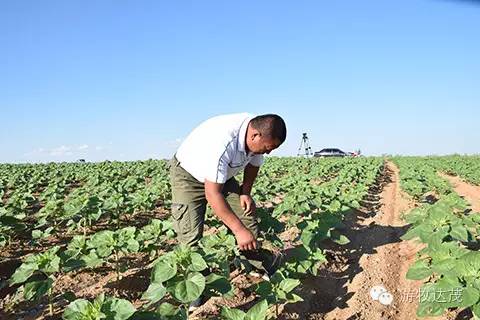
<point x="60" y="151"/>
<point x="173" y="143"/>
<point x="34" y="152"/>
<point x="83" y="147"/>
<point x="63" y="151"/>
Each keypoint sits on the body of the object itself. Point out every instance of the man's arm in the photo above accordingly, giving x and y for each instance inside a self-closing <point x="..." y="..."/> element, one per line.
<point x="246" y="200"/>
<point x="249" y="175"/>
<point x="213" y="193"/>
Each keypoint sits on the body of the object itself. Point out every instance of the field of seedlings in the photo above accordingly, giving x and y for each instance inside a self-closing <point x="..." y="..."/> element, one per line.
<point x="363" y="238"/>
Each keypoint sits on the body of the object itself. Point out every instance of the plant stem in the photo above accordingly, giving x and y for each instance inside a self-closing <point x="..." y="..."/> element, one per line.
<point x="117" y="267"/>
<point x="118" y="220"/>
<point x="50" y="304"/>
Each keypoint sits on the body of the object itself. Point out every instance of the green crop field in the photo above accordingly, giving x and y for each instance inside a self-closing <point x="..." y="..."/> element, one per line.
<point x="95" y="240"/>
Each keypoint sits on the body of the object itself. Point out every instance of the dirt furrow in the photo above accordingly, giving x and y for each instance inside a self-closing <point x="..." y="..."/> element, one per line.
<point x="386" y="264"/>
<point x="470" y="192"/>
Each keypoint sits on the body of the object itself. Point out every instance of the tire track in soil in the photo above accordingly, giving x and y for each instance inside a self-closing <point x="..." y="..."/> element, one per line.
<point x="468" y="191"/>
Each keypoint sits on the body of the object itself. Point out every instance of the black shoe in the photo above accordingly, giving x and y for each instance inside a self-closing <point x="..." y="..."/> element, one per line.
<point x="275" y="263"/>
<point x="269" y="267"/>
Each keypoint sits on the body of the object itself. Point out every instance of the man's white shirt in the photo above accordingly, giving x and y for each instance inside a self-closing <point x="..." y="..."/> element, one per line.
<point x="215" y="150"/>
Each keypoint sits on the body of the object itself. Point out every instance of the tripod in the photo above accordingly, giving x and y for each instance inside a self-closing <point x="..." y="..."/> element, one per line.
<point x="306" y="144"/>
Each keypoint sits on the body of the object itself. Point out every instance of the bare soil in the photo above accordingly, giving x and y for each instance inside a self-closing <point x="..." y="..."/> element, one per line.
<point x="470" y="192"/>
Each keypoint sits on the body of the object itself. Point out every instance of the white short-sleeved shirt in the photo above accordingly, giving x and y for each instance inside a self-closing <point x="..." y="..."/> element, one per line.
<point x="215" y="150"/>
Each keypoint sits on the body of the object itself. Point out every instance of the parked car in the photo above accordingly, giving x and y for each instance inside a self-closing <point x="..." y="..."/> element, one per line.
<point x="330" y="152"/>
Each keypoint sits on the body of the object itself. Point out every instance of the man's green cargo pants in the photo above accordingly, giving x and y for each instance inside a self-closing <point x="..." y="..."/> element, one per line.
<point x="189" y="205"/>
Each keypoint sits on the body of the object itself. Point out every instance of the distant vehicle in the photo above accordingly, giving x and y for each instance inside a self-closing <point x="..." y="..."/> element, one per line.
<point x="330" y="152"/>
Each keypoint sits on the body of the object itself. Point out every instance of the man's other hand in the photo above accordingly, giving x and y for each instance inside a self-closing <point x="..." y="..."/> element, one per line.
<point x="247" y="204"/>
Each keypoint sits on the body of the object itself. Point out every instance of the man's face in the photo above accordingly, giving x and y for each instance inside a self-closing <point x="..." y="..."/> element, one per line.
<point x="260" y="144"/>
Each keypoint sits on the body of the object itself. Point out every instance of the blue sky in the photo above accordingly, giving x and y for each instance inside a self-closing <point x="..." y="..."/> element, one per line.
<point x="128" y="80"/>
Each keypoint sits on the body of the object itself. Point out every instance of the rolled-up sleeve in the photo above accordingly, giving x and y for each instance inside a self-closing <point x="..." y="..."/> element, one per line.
<point x="257" y="160"/>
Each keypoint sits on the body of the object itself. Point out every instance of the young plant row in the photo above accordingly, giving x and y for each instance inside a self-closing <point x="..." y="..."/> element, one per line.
<point x="466" y="167"/>
<point x="420" y="179"/>
<point x="38" y="273"/>
<point x="449" y="264"/>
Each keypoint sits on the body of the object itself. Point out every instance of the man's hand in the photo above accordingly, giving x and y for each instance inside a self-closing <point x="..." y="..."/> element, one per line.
<point x="247" y="204"/>
<point x="246" y="240"/>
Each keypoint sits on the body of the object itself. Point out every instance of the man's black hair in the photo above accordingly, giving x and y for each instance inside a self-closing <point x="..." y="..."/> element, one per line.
<point x="270" y="125"/>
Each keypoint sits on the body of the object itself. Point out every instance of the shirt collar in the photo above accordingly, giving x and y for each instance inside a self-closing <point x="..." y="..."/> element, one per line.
<point x="241" y="134"/>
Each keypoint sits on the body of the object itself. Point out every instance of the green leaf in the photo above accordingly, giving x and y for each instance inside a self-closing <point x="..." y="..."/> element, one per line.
<point x="47" y="231"/>
<point x="198" y="263"/>
<point x="103" y="242"/>
<point x="132" y="246"/>
<point x="341" y="240"/>
<point x="288" y="285"/>
<point x="92" y="260"/>
<point x="293" y="298"/>
<point x="470" y="296"/>
<point x="81" y="309"/>
<point x="258" y="311"/>
<point x="167" y="309"/>
<point x="117" y="309"/>
<point x="459" y="232"/>
<point x="319" y="256"/>
<point x="36" y="289"/>
<point x="434" y="299"/>
<point x="232" y="314"/>
<point x="23" y="272"/>
<point x="37" y="234"/>
<point x="416" y="232"/>
<point x="189" y="289"/>
<point x="264" y="288"/>
<point x="76" y="310"/>
<point x="419" y="270"/>
<point x="126" y="233"/>
<point x="429" y="309"/>
<point x="154" y="293"/>
<point x="50" y="264"/>
<point x="75" y="247"/>
<point x="98" y="301"/>
<point x="164" y="270"/>
<point x="443" y="266"/>
<point x="476" y="310"/>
